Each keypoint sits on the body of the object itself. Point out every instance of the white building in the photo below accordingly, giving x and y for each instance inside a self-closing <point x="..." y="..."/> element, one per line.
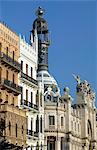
<point x="28" y="60"/>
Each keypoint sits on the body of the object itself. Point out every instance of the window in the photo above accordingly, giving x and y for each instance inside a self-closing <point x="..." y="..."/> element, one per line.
<point x="37" y="147"/>
<point x="13" y="78"/>
<point x="61" y="121"/>
<point x="31" y="97"/>
<point x="21" y="65"/>
<point x="41" y="124"/>
<point x="9" y="128"/>
<point x="26" y="95"/>
<point x="37" y="98"/>
<point x="51" y="120"/>
<point x="7" y="51"/>
<point x="37" y="124"/>
<point x="96" y="116"/>
<point x="13" y="101"/>
<point x="0" y="46"/>
<point x="27" y="69"/>
<point x="41" y="99"/>
<point x="41" y="146"/>
<point x="72" y="125"/>
<point x="22" y="129"/>
<point x="31" y="124"/>
<point x="13" y="56"/>
<point x="0" y="72"/>
<point x="6" y="98"/>
<point x="0" y="96"/>
<point x="75" y="126"/>
<point x="16" y="129"/>
<point x="7" y="74"/>
<point x="22" y="98"/>
<point x="78" y="127"/>
<point x="31" y="72"/>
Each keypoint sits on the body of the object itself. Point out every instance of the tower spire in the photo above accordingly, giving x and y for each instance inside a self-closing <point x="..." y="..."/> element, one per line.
<point x="41" y="26"/>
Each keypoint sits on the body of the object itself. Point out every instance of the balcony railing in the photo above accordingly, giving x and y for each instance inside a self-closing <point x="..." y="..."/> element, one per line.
<point x="29" y="104"/>
<point x="10" y="86"/>
<point x="32" y="133"/>
<point x="5" y="59"/>
<point x="30" y="79"/>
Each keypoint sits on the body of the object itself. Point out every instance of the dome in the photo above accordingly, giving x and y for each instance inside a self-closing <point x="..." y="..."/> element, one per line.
<point x="40" y="25"/>
<point x="49" y="83"/>
<point x="46" y="78"/>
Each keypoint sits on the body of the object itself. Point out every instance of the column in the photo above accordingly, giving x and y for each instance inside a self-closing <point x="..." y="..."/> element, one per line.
<point x="58" y="144"/>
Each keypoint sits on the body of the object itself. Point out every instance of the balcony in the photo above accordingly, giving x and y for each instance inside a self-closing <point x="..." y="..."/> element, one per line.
<point x="53" y="128"/>
<point x="10" y="87"/>
<point x="29" y="79"/>
<point x="30" y="106"/>
<point x="31" y="134"/>
<point x="9" y="62"/>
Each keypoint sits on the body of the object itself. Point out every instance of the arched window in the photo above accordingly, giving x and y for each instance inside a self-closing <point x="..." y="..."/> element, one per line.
<point x="9" y="128"/>
<point x="13" y="78"/>
<point x="89" y="129"/>
<point x="7" y="74"/>
<point x="62" y="121"/>
<point x="37" y="124"/>
<point x="22" y="129"/>
<point x="41" y="124"/>
<point x="41" y="146"/>
<point x="7" y="51"/>
<point x="37" y="147"/>
<point x="16" y="129"/>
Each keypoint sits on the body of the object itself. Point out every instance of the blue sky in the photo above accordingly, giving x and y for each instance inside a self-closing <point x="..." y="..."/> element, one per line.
<point x="72" y="26"/>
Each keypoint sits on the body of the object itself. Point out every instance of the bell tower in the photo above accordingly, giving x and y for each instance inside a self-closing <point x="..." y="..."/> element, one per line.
<point x="41" y="27"/>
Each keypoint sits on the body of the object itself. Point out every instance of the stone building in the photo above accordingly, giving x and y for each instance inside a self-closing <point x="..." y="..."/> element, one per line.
<point x="71" y="126"/>
<point x="12" y="119"/>
<point x="66" y="125"/>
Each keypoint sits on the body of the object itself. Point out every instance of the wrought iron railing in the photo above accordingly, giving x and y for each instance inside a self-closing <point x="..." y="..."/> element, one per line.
<point x="32" y="133"/>
<point x="11" y="86"/>
<point x="10" y="61"/>
<point x="29" y="104"/>
<point x="25" y="76"/>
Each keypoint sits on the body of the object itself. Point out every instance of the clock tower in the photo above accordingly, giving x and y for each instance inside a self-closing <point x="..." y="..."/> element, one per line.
<point x="40" y="25"/>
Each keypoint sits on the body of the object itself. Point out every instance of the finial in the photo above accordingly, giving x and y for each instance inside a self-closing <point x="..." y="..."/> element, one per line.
<point x="77" y="78"/>
<point x="40" y="11"/>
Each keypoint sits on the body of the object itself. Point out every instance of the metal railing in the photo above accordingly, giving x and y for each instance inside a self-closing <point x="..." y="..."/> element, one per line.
<point x="11" y="86"/>
<point x="32" y="133"/>
<point x="29" y="104"/>
<point x="23" y="75"/>
<point x="10" y="61"/>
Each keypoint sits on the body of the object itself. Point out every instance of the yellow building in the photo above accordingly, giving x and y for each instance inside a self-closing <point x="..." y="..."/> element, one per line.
<point x="13" y="119"/>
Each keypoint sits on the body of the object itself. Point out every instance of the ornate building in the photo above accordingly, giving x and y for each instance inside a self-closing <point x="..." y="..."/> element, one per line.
<point x="12" y="119"/>
<point x="27" y="78"/>
<point x="53" y="122"/>
<point x="66" y="125"/>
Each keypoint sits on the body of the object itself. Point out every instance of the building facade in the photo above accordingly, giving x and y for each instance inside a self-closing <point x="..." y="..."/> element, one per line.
<point x="71" y="126"/>
<point x="53" y="121"/>
<point x="27" y="79"/>
<point x="66" y="125"/>
<point x="12" y="119"/>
